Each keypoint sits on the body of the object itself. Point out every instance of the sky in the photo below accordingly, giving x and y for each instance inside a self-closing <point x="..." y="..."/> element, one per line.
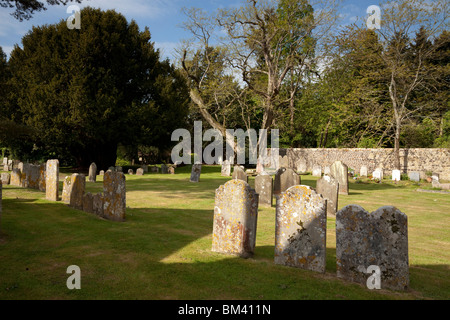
<point x="163" y="17"/>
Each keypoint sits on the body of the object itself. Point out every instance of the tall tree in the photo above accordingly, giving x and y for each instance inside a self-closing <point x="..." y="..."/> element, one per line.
<point x="85" y="91"/>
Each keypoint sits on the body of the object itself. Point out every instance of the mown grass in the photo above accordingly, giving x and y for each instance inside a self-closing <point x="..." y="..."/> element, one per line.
<point x="163" y="251"/>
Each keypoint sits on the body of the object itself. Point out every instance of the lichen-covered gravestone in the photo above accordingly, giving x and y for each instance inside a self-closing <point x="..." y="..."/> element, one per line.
<point x="377" y="239"/>
<point x="226" y="168"/>
<point x="114" y="196"/>
<point x="97" y="204"/>
<point x="93" y="173"/>
<point x="88" y="205"/>
<point x="6" y="177"/>
<point x="300" y="234"/>
<point x="52" y="180"/>
<point x="78" y="185"/>
<point x="235" y="219"/>
<point x="328" y="187"/>
<point x="264" y="187"/>
<point x="339" y="171"/>
<point x="289" y="178"/>
<point x="16" y="178"/>
<point x="195" y="172"/>
<point x="67" y="189"/>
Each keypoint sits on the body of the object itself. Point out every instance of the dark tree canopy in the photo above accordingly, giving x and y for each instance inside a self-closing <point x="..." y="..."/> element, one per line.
<point x="26" y="8"/>
<point x="86" y="91"/>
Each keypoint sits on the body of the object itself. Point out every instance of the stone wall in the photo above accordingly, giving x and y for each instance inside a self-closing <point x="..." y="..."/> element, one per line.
<point x="421" y="160"/>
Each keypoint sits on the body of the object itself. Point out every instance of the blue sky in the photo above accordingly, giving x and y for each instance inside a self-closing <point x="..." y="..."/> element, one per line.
<point x="163" y="17"/>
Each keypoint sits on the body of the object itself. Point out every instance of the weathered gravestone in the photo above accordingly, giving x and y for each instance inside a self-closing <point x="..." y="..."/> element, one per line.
<point x="235" y="219"/>
<point x="339" y="171"/>
<point x="67" y="189"/>
<point x="78" y="185"/>
<point x="300" y="234"/>
<point x="414" y="176"/>
<point x="42" y="175"/>
<point x="164" y="169"/>
<point x="114" y="196"/>
<point x="378" y="239"/>
<point x="88" y="203"/>
<point x="140" y="172"/>
<point x="328" y="187"/>
<point x="396" y="175"/>
<point x="6" y="178"/>
<point x="226" y="168"/>
<point x="93" y="173"/>
<point x="364" y="171"/>
<point x="195" y="172"/>
<point x="283" y="162"/>
<point x="16" y="178"/>
<point x="277" y="181"/>
<point x="5" y="167"/>
<point x="131" y="172"/>
<point x="317" y="171"/>
<point x="239" y="174"/>
<point x="171" y="170"/>
<point x="301" y="166"/>
<point x="97" y="204"/>
<point x="289" y="178"/>
<point x="52" y="180"/>
<point x="264" y="187"/>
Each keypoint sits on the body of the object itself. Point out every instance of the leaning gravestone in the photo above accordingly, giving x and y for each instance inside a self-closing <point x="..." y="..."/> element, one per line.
<point x="195" y="172"/>
<point x="289" y="178"/>
<point x="52" y="180"/>
<point x="339" y="171"/>
<point x="300" y="234"/>
<point x="239" y="174"/>
<point x="114" y="196"/>
<point x="328" y="187"/>
<point x="226" y="168"/>
<point x="264" y="187"/>
<point x="378" y="239"/>
<point x="78" y="185"/>
<point x="93" y="173"/>
<point x="235" y="219"/>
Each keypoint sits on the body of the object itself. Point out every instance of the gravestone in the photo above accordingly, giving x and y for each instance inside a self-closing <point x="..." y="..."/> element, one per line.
<point x="5" y="167"/>
<point x="97" y="204"/>
<point x="131" y="172"/>
<point x="78" y="185"/>
<point x="327" y="171"/>
<point x="339" y="171"/>
<point x="52" y="180"/>
<point x="235" y="219"/>
<point x="289" y="178"/>
<point x="93" y="173"/>
<point x="396" y="175"/>
<point x="328" y="187"/>
<point x="5" y="161"/>
<point x="264" y="187"/>
<point x="114" y="196"/>
<point x="67" y="189"/>
<point x="171" y="170"/>
<point x="414" y="176"/>
<point x="259" y="166"/>
<point x="119" y="169"/>
<point x="145" y="168"/>
<point x="378" y="174"/>
<point x="277" y="181"/>
<point x="140" y="172"/>
<point x="101" y="173"/>
<point x="195" y="172"/>
<point x="6" y="178"/>
<point x="376" y="239"/>
<point x="163" y="169"/>
<point x="31" y="176"/>
<point x="435" y="180"/>
<point x="364" y="171"/>
<point x="226" y="169"/>
<point x="88" y="203"/>
<point x="239" y="174"/>
<point x="42" y="175"/>
<point x="301" y="166"/>
<point x="16" y="178"/>
<point x="283" y="162"/>
<point x="300" y="233"/>
<point x="154" y="169"/>
<point x="317" y="171"/>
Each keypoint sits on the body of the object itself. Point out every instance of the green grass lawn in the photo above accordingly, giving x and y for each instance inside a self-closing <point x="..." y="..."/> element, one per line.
<point x="163" y="251"/>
